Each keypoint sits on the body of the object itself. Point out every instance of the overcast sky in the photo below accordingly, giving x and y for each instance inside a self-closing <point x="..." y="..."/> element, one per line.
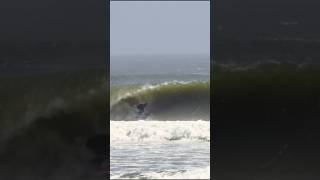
<point x="160" y="27"/>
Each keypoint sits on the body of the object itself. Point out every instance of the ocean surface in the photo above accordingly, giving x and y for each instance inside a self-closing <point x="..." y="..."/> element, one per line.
<point x="171" y="140"/>
<point x="47" y="114"/>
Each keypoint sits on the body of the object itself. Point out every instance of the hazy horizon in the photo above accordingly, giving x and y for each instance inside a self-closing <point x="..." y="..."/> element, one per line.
<point x="159" y="28"/>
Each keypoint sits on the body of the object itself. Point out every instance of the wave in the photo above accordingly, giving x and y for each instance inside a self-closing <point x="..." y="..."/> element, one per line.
<point x="46" y="122"/>
<point x="198" y="173"/>
<point x="167" y="101"/>
<point x="159" y="131"/>
<point x="27" y="99"/>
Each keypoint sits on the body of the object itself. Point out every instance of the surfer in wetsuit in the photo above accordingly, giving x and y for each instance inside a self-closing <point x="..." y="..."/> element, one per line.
<point x="141" y="108"/>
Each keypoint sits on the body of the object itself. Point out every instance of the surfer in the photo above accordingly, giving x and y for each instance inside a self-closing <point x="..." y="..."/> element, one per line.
<point x="141" y="108"/>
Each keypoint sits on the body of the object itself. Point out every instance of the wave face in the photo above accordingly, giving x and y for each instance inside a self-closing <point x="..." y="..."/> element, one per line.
<point x="173" y="100"/>
<point x="45" y="121"/>
<point x="159" y="131"/>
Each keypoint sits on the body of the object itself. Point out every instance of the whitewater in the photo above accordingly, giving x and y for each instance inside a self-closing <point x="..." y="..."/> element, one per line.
<point x="160" y="149"/>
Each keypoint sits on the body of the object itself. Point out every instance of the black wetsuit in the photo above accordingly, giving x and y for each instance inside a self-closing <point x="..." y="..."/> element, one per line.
<point x="141" y="108"/>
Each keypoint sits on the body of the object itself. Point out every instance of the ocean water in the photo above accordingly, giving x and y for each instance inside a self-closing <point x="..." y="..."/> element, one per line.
<point x="46" y="117"/>
<point x="172" y="139"/>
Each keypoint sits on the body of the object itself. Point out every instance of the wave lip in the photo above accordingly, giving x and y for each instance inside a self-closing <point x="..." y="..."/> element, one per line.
<point x="159" y="131"/>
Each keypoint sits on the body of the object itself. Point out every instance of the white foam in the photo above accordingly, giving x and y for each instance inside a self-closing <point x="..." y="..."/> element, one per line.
<point x="199" y="173"/>
<point x="159" y="131"/>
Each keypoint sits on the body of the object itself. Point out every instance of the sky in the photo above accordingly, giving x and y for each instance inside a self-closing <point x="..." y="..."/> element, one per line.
<point x="159" y="27"/>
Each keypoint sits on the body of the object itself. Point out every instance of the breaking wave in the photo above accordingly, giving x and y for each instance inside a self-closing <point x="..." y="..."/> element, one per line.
<point x="46" y="121"/>
<point x="167" y="101"/>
